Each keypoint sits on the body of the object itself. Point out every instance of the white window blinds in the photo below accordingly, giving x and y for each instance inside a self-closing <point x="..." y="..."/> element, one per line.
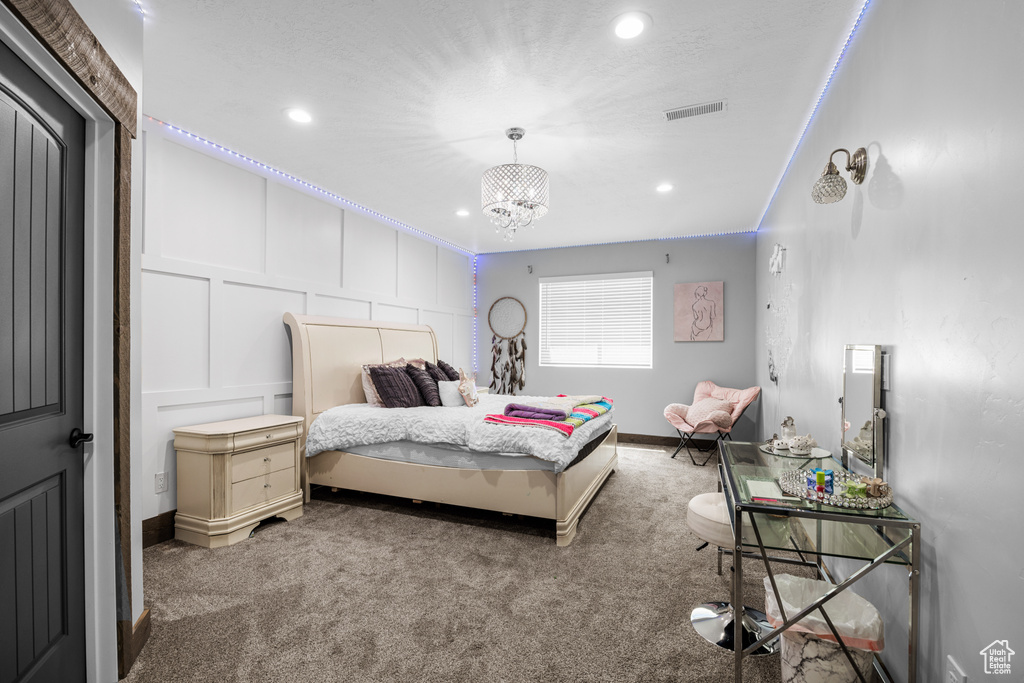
<point x="596" y="320"/>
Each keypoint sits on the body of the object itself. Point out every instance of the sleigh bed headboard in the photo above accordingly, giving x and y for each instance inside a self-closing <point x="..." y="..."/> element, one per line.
<point x="328" y="355"/>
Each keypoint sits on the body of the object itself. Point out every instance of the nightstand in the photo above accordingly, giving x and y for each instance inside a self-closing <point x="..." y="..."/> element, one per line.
<point x="234" y="474"/>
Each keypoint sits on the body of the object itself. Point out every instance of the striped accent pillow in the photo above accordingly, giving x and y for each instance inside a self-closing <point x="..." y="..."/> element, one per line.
<point x="452" y="373"/>
<point x="368" y="389"/>
<point x="395" y="388"/>
<point x="426" y="384"/>
<point x="437" y="373"/>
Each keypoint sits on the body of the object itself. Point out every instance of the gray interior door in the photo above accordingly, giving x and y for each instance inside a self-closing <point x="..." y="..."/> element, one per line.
<point x="42" y="612"/>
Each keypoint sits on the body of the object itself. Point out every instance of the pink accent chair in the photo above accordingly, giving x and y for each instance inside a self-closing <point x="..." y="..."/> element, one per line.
<point x="715" y="423"/>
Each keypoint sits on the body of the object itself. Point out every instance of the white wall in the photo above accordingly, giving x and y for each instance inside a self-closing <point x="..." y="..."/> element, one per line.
<point x="640" y="394"/>
<point x="227" y="251"/>
<point x="923" y="258"/>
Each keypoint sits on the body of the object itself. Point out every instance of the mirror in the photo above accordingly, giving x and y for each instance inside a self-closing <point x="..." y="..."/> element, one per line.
<point x="863" y="412"/>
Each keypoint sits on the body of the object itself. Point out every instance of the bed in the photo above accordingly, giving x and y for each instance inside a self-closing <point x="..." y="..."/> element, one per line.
<point x="327" y="359"/>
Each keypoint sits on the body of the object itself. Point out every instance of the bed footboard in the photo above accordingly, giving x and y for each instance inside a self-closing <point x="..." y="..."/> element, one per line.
<point x="561" y="497"/>
<point x="578" y="485"/>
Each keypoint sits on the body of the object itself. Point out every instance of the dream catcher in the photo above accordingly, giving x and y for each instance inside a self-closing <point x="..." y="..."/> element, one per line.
<point x="507" y="319"/>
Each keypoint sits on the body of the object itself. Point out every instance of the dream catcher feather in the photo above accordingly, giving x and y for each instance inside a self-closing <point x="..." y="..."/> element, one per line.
<point x="507" y="319"/>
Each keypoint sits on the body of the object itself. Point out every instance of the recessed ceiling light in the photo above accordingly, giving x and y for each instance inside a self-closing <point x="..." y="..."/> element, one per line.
<point x="299" y="115"/>
<point x="631" y="24"/>
<point x="665" y="187"/>
<point x="462" y="212"/>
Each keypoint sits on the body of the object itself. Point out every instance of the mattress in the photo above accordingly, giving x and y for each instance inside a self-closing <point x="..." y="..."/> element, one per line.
<point x="344" y="427"/>
<point x="444" y="455"/>
<point x="448" y="455"/>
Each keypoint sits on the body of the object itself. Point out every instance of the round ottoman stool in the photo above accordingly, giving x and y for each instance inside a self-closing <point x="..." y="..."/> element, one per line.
<point x="708" y="517"/>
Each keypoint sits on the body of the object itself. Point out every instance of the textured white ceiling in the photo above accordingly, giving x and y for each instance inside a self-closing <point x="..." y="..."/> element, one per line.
<point x="410" y="101"/>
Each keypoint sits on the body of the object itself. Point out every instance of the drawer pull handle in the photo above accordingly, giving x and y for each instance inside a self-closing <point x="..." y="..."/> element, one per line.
<point x="266" y="459"/>
<point x="269" y="435"/>
<point x="266" y="486"/>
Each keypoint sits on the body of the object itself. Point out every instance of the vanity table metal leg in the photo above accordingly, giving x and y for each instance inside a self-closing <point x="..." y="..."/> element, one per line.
<point x="822" y="570"/>
<point x="915" y="601"/>
<point x="737" y="595"/>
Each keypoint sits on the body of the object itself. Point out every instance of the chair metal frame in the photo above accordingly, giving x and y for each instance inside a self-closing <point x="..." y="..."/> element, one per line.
<point x="687" y="438"/>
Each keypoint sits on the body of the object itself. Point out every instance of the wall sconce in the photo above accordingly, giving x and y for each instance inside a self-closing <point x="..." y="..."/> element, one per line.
<point x="831" y="187"/>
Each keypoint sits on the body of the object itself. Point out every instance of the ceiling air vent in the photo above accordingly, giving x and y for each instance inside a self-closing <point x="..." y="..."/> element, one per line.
<point x="689" y="112"/>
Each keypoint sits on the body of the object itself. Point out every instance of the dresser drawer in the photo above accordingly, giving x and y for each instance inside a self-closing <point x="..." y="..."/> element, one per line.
<point x="259" y="490"/>
<point x="262" y="461"/>
<point x="270" y="435"/>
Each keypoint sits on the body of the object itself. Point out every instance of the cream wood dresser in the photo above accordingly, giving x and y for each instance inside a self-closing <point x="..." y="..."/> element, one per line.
<point x="234" y="474"/>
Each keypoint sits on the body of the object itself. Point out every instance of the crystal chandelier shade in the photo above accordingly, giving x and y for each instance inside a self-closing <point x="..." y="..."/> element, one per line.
<point x="830" y="187"/>
<point x="514" y="195"/>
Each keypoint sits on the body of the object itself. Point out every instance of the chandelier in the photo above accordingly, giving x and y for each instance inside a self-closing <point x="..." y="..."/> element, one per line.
<point x="514" y="195"/>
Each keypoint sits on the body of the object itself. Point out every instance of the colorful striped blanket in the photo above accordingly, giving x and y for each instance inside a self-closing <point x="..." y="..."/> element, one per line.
<point x="580" y="414"/>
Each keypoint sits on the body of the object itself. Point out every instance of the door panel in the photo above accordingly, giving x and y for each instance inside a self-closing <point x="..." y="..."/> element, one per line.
<point x="31" y="188"/>
<point x="7" y="117"/>
<point x="42" y="607"/>
<point x="31" y="524"/>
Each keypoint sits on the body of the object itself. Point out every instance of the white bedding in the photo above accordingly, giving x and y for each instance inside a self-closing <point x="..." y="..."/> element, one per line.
<point x="360" y="424"/>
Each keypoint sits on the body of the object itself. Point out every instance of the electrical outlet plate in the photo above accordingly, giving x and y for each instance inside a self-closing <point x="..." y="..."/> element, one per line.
<point x="954" y="674"/>
<point x="161" y="482"/>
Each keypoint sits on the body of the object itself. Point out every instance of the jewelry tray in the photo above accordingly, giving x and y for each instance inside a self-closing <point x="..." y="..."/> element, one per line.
<point x="795" y="484"/>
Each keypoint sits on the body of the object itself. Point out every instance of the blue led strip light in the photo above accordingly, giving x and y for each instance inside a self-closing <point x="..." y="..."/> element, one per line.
<point x="476" y="319"/>
<point x="817" y="105"/>
<point x="309" y="186"/>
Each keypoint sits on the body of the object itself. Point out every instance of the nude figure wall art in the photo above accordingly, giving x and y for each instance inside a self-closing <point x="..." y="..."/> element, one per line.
<point x="699" y="312"/>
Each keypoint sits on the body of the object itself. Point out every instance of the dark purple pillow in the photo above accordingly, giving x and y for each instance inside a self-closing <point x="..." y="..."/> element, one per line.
<point x="437" y="373"/>
<point x="395" y="387"/>
<point x="452" y="373"/>
<point x="426" y="384"/>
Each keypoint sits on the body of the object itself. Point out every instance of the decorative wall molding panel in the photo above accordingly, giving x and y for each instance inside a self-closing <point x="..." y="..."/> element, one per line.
<point x="226" y="252"/>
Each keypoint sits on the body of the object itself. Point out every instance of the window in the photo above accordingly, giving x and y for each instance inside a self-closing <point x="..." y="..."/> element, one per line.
<point x="596" y="320"/>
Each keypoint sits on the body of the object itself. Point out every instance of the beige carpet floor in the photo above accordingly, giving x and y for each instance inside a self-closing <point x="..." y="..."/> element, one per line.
<point x="371" y="588"/>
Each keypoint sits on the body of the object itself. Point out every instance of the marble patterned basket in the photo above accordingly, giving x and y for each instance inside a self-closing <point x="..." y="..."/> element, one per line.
<point x="794" y="483"/>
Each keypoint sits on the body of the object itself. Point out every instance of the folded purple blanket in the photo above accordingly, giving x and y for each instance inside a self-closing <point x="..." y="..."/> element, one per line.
<point x="534" y="413"/>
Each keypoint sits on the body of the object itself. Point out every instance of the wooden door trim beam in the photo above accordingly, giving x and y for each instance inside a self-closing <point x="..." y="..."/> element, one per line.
<point x="59" y="27"/>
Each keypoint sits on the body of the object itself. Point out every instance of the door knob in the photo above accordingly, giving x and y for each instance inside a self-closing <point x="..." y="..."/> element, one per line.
<point x="78" y="437"/>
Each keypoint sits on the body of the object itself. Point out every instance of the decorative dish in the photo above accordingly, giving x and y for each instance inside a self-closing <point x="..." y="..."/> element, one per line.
<point x="816" y="453"/>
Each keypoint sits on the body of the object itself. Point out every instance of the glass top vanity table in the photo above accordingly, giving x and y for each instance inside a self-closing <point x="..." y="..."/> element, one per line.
<point x="814" y="529"/>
